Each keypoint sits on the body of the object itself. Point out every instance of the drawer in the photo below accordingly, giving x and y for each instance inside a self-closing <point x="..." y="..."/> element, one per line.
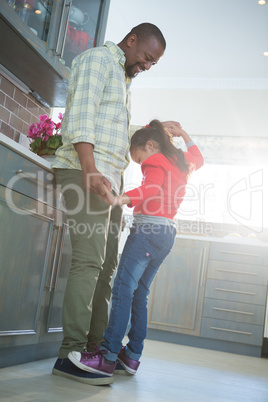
<point x="232" y="331"/>
<point x="233" y="311"/>
<point x="24" y="176"/>
<point x="237" y="272"/>
<point x="234" y="291"/>
<point x="232" y="252"/>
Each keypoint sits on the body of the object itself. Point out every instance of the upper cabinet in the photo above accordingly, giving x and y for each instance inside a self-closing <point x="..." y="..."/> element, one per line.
<point x="40" y="38"/>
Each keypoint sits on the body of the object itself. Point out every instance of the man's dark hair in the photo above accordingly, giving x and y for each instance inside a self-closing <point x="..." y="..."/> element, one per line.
<point x="145" y="31"/>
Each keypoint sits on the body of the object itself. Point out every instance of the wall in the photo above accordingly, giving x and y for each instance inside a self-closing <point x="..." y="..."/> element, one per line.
<point x="17" y="111"/>
<point x="215" y="112"/>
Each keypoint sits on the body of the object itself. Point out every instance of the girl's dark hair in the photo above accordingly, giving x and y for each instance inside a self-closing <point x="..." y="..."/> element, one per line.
<point x="156" y="132"/>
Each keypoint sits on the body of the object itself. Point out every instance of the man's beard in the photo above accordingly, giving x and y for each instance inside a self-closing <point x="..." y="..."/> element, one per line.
<point x="129" y="69"/>
<point x="129" y="72"/>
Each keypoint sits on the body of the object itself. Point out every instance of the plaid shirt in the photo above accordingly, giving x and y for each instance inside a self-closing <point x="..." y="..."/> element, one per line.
<point x="98" y="112"/>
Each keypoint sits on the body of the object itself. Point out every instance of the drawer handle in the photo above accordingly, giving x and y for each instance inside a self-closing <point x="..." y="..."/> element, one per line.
<point x="204" y="259"/>
<point x="237" y="272"/>
<point x="231" y="330"/>
<point x="232" y="311"/>
<point x="31" y="177"/>
<point x="236" y="253"/>
<point x="235" y="291"/>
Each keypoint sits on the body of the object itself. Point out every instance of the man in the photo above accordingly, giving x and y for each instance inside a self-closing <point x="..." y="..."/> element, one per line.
<point x="94" y="154"/>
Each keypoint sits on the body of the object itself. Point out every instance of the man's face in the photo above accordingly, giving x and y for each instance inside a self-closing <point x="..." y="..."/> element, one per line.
<point x="141" y="55"/>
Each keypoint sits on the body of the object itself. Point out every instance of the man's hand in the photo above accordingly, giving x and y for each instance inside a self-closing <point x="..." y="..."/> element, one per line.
<point x="93" y="180"/>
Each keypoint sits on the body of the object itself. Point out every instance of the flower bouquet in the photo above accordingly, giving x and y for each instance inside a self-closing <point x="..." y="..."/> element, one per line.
<point x="45" y="135"/>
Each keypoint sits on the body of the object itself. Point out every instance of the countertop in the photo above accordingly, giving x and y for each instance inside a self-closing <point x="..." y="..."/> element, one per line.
<point x="226" y="239"/>
<point x="20" y="149"/>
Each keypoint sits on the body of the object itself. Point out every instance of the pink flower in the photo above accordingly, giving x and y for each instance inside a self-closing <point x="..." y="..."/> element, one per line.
<point x="45" y="129"/>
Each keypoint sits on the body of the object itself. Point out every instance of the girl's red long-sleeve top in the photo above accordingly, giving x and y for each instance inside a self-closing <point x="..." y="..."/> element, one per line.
<point x="163" y="184"/>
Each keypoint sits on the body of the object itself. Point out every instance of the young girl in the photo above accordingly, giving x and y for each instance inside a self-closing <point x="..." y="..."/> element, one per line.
<point x="165" y="173"/>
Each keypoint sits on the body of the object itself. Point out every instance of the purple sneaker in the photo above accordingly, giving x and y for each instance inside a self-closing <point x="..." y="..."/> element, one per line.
<point x="130" y="365"/>
<point x="93" y="362"/>
<point x="119" y="369"/>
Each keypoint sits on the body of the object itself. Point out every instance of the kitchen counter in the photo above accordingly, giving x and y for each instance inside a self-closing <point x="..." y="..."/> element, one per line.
<point x="226" y="239"/>
<point x="20" y="149"/>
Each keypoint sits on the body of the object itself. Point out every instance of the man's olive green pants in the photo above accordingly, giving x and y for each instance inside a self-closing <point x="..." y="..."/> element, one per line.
<point x="94" y="230"/>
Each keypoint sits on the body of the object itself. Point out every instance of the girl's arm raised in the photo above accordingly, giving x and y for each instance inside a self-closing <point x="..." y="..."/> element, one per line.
<point x="193" y="152"/>
<point x="176" y="130"/>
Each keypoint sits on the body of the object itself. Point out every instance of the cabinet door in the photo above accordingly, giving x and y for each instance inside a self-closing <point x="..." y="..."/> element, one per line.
<point x="176" y="299"/>
<point x="60" y="263"/>
<point x="45" y="35"/>
<point x="34" y="20"/>
<point x="25" y="237"/>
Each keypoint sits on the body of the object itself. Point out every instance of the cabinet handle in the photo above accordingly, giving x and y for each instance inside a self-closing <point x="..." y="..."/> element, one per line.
<point x="57" y="51"/>
<point x="31" y="177"/>
<point x="60" y="29"/>
<point x="235" y="291"/>
<point x="54" y="260"/>
<point x="231" y="330"/>
<point x="237" y="272"/>
<point x="60" y="256"/>
<point x="236" y="253"/>
<point x="232" y="311"/>
<point x="65" y="32"/>
<point x="204" y="257"/>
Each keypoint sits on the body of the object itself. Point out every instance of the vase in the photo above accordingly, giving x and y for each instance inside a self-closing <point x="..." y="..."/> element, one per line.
<point x="49" y="158"/>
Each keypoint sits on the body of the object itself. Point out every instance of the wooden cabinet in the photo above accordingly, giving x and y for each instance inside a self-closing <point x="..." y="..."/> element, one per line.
<point x="35" y="257"/>
<point x="236" y="293"/>
<point x="176" y="299"/>
<point x="45" y="36"/>
<point x="214" y="290"/>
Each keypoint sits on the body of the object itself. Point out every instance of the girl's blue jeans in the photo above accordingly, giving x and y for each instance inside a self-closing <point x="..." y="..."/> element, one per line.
<point x="145" y="249"/>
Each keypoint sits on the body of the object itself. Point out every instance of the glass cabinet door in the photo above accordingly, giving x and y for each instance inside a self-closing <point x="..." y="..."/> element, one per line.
<point x="55" y="31"/>
<point x="83" y="27"/>
<point x="34" y="13"/>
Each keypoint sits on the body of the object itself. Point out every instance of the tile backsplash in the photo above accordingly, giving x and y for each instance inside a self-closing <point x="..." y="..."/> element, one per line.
<point x="17" y="111"/>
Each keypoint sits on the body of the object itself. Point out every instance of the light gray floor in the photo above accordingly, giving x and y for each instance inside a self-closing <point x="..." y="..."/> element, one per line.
<point x="167" y="373"/>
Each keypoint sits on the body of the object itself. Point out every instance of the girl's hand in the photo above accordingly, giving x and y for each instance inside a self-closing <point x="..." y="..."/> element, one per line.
<point x="111" y="199"/>
<point x="173" y="127"/>
<point x="108" y="197"/>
